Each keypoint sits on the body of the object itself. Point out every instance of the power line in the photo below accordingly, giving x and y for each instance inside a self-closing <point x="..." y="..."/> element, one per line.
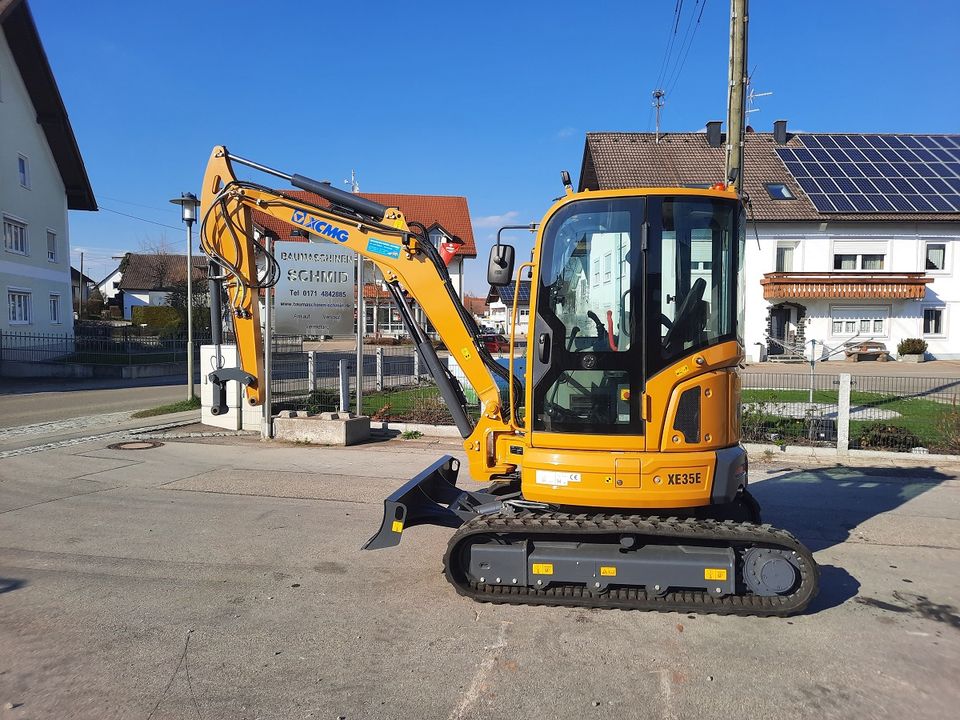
<point x="128" y="202"/>
<point x="135" y="217"/>
<point x="675" y="77"/>
<point x="668" y="51"/>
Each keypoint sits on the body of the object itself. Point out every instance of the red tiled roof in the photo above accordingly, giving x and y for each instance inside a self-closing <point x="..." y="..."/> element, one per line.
<point x="374" y="292"/>
<point x="159" y="271"/>
<point x="475" y="305"/>
<point x="450" y="212"/>
<point x="613" y="160"/>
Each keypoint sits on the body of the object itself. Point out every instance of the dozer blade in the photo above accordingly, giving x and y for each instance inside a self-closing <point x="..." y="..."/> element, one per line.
<point x="430" y="498"/>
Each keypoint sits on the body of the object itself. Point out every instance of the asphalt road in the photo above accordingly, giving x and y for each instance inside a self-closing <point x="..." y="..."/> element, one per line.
<point x="224" y="580"/>
<point x="27" y="402"/>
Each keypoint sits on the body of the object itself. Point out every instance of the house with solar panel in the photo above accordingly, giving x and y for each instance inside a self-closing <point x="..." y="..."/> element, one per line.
<point x="500" y="301"/>
<point x="856" y="237"/>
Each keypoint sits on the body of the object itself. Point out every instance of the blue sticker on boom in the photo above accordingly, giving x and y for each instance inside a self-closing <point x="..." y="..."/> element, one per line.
<point x="379" y="247"/>
<point x="320" y="227"/>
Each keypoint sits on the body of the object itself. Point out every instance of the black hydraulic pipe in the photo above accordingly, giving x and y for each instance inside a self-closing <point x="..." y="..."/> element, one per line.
<point x="454" y="399"/>
<point x="340" y="197"/>
<point x="216" y="334"/>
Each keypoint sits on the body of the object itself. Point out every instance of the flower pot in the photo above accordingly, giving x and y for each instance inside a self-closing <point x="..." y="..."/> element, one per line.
<point x="913" y="358"/>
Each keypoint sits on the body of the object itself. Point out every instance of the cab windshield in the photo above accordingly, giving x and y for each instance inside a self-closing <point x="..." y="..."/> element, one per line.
<point x="626" y="287"/>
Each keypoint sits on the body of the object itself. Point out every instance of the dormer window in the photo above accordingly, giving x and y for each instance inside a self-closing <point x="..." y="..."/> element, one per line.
<point x="779" y="191"/>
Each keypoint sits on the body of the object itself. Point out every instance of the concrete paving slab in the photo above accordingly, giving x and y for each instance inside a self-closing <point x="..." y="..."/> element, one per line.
<point x="236" y="592"/>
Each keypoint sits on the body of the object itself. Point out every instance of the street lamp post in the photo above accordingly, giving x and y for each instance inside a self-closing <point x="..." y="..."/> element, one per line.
<point x="188" y="213"/>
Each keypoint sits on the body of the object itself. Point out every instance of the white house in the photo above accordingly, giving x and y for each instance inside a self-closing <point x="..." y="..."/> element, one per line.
<point x="500" y="302"/>
<point x="41" y="177"/>
<point x="855" y="237"/>
<point x="147" y="279"/>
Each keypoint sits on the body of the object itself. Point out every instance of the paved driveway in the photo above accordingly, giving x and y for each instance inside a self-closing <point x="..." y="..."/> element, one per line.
<point x="225" y="581"/>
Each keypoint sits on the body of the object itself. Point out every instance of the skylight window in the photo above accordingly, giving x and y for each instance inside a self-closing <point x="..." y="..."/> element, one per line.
<point x="779" y="191"/>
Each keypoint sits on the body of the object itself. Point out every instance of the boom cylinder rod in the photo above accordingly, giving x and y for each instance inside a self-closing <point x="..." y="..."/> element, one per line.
<point x="258" y="166"/>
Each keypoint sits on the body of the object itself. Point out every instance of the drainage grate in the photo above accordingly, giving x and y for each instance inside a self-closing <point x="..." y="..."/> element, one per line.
<point x="135" y="445"/>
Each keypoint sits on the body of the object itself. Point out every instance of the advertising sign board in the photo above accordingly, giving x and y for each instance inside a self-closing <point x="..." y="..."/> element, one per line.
<point x="316" y="292"/>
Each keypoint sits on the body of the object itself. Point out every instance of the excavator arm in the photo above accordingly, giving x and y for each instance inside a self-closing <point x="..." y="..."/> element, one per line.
<point x="407" y="260"/>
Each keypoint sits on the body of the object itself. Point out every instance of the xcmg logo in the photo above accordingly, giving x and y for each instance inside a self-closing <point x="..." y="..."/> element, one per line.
<point x="319" y="226"/>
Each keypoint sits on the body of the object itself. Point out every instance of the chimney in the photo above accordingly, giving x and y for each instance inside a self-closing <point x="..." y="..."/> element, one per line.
<point x="714" y="138"/>
<point x="780" y="132"/>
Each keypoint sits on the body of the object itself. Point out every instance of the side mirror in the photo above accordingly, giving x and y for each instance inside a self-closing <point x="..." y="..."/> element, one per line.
<point x="500" y="265"/>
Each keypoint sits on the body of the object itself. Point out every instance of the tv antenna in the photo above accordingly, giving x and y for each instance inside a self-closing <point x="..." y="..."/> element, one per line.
<point x="353" y="182"/>
<point x="658" y="103"/>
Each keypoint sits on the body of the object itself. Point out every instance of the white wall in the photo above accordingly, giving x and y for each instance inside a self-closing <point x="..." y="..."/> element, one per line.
<point x="904" y="246"/>
<point x="42" y="207"/>
<point x="132" y="299"/>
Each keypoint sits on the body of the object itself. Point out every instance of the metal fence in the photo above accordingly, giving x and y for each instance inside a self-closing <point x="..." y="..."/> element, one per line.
<point x="395" y="384"/>
<point x="65" y="349"/>
<point x="905" y="414"/>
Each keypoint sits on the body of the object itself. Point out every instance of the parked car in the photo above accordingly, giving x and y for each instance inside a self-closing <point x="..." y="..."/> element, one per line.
<point x="495" y="342"/>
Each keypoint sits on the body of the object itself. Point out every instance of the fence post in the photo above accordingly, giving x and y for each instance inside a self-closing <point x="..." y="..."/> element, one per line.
<point x="312" y="370"/>
<point x="843" y="415"/>
<point x="344" y="386"/>
<point x="416" y="365"/>
<point x="379" y="369"/>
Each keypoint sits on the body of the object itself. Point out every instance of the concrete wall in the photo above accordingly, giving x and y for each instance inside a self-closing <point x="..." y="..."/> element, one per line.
<point x="42" y="207"/>
<point x="904" y="247"/>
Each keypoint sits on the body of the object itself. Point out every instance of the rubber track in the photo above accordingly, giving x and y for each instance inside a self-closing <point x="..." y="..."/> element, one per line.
<point x="673" y="530"/>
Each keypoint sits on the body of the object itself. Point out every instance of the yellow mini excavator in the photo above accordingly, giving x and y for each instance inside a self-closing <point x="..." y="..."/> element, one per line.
<point x="610" y="451"/>
<point x="613" y="470"/>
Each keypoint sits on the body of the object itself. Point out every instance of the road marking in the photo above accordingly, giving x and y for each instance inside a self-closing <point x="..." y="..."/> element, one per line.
<point x="472" y="694"/>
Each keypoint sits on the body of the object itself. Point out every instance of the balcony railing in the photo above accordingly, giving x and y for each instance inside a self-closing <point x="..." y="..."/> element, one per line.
<point x="845" y="285"/>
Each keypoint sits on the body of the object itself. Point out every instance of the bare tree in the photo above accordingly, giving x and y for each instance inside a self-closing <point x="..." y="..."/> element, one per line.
<point x="161" y="252"/>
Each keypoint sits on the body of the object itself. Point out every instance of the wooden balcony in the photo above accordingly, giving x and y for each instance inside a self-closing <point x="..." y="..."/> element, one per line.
<point x="844" y="285"/>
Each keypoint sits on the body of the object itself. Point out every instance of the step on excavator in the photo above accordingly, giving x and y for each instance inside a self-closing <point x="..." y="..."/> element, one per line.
<point x="611" y="466"/>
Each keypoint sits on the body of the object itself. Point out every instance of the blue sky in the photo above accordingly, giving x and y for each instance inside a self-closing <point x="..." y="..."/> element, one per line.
<point x="487" y="100"/>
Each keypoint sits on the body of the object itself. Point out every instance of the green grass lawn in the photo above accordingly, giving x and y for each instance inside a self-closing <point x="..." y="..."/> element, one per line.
<point x="176" y="407"/>
<point x="926" y="419"/>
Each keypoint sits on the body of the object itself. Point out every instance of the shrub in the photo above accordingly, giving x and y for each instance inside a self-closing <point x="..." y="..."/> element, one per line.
<point x="322" y="401"/>
<point x="912" y="346"/>
<point x="884" y="436"/>
<point x="157" y="317"/>
<point x="431" y="411"/>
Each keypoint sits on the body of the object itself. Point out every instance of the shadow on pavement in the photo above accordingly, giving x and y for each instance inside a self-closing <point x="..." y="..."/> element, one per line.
<point x="821" y="506"/>
<point x="10" y="584"/>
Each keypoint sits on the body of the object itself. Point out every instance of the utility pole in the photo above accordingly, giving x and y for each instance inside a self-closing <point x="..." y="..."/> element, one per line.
<point x="80" y="291"/>
<point x="658" y="96"/>
<point x="736" y="116"/>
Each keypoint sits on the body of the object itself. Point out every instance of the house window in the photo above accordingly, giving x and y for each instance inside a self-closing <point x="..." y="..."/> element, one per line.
<point x="785" y="256"/>
<point x="23" y="170"/>
<point x="51" y="246"/>
<point x="607" y="268"/>
<point x="779" y="191"/>
<point x="18" y="302"/>
<point x="55" y="309"/>
<point x="859" y="321"/>
<point x="936" y="256"/>
<point x="596" y="271"/>
<point x="858" y="261"/>
<point x="933" y="321"/>
<point x="14" y="236"/>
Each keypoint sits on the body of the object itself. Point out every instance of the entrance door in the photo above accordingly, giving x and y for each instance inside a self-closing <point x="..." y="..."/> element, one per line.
<point x="779" y="317"/>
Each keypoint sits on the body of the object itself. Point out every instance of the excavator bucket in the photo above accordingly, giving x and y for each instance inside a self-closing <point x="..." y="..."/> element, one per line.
<point x="430" y="498"/>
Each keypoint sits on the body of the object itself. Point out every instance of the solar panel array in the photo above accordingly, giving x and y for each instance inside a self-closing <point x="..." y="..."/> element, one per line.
<point x="506" y="292"/>
<point x="878" y="173"/>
